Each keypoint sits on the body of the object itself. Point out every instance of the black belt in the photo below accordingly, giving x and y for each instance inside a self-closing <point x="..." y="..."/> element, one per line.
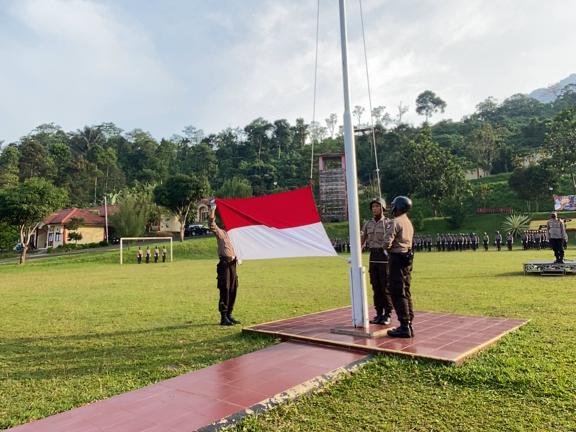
<point x="377" y="250"/>
<point x="227" y="259"/>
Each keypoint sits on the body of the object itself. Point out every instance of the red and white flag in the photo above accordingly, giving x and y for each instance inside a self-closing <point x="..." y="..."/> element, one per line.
<point x="281" y="225"/>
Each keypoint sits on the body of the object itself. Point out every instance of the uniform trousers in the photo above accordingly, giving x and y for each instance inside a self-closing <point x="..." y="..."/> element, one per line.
<point x="400" y="278"/>
<point x="227" y="284"/>
<point x="378" y="270"/>
<point x="557" y="246"/>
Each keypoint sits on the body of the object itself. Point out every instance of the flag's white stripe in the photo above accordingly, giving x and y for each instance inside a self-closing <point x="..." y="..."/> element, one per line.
<point x="262" y="242"/>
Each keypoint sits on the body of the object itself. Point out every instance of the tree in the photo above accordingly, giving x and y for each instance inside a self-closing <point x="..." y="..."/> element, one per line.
<point x="133" y="214"/>
<point x="427" y="104"/>
<point x="561" y="144"/>
<point x="180" y="194"/>
<point x="431" y="171"/>
<point x="331" y="123"/>
<point x="380" y="117"/>
<point x="357" y="112"/>
<point x="482" y="147"/>
<point x="72" y="226"/>
<point x="26" y="205"/>
<point x="402" y="109"/>
<point x="9" y="166"/>
<point x="533" y="183"/>
<point x="74" y="236"/>
<point x="236" y="187"/>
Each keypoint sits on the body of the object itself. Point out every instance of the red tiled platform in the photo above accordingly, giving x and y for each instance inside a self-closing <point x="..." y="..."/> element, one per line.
<point x="439" y="336"/>
<point x="208" y="398"/>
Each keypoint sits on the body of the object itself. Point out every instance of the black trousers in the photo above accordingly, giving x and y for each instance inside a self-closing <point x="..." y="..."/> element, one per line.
<point x="557" y="246"/>
<point x="227" y="284"/>
<point x="379" y="281"/>
<point x="400" y="278"/>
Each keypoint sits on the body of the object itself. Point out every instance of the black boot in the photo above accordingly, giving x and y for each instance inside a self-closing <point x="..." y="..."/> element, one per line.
<point x="377" y="319"/>
<point x="224" y="320"/>
<point x="385" y="319"/>
<point x="403" y="331"/>
<point x="232" y="319"/>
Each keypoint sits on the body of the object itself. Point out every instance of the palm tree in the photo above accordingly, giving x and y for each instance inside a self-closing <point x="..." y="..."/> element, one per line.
<point x="516" y="224"/>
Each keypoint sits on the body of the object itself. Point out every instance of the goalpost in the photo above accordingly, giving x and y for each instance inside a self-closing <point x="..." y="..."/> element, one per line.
<point x="151" y="239"/>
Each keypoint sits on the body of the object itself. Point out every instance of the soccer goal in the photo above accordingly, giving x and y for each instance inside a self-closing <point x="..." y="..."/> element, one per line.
<point x="131" y="244"/>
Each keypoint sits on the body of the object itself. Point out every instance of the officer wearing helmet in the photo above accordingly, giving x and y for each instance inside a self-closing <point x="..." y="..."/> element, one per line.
<point x="373" y="238"/>
<point x="398" y="241"/>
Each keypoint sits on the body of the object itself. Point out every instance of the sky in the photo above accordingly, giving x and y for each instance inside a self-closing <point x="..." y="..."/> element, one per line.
<point x="164" y="65"/>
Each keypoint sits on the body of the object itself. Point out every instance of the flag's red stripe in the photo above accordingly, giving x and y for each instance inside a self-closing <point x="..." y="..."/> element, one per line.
<point x="282" y="210"/>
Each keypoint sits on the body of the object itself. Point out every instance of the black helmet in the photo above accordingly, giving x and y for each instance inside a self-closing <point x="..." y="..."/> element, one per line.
<point x="380" y="201"/>
<point x="401" y="204"/>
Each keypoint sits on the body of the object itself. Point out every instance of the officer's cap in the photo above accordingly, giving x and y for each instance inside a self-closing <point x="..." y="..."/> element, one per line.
<point x="380" y="201"/>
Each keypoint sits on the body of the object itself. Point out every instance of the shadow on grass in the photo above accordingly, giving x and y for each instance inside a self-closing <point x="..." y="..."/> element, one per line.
<point x="160" y="352"/>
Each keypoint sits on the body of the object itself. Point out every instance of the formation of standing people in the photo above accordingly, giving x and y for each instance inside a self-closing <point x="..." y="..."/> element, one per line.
<point x="147" y="254"/>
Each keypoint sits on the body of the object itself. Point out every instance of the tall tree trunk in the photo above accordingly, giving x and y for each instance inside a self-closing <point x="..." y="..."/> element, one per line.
<point x="573" y="177"/>
<point x="22" y="259"/>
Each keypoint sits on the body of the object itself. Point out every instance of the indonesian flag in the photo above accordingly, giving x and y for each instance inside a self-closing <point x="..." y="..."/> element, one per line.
<point x="282" y="225"/>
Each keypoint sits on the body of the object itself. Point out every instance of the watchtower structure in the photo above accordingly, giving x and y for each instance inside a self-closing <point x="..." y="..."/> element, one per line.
<point x="332" y="184"/>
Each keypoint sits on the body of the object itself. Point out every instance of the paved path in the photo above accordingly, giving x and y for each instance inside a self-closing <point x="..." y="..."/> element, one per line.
<point x="208" y="398"/>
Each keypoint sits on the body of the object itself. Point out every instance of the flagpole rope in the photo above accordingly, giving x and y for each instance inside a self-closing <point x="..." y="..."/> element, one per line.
<point x="370" y="100"/>
<point x="315" y="88"/>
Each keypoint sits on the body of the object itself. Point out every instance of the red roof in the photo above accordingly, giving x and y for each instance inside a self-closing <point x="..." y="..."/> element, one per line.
<point x="64" y="216"/>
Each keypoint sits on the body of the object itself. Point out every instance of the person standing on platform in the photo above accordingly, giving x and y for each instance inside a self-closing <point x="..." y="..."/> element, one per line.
<point x="398" y="241"/>
<point x="486" y="241"/>
<point x="509" y="241"/>
<point x="373" y="237"/>
<point x="225" y="270"/>
<point x="498" y="240"/>
<point x="139" y="255"/>
<point x="557" y="237"/>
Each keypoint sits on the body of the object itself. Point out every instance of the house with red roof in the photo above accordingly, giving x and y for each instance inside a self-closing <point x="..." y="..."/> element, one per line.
<point x="52" y="232"/>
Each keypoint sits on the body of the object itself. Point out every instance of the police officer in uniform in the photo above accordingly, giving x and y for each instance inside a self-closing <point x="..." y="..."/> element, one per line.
<point x="373" y="237"/>
<point x="509" y="241"/>
<point x="398" y="241"/>
<point x="557" y="237"/>
<point x="486" y="241"/>
<point x="225" y="270"/>
<point x="498" y="240"/>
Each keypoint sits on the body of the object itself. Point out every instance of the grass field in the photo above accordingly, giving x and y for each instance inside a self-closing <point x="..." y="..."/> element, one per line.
<point x="78" y="329"/>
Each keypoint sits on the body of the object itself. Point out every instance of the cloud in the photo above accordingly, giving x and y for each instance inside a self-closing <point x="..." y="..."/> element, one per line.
<point x="78" y="62"/>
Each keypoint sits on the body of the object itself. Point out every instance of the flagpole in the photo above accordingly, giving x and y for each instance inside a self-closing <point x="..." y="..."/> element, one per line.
<point x="357" y="271"/>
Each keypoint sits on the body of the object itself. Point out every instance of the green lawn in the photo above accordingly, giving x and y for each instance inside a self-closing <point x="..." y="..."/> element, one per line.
<point x="76" y="331"/>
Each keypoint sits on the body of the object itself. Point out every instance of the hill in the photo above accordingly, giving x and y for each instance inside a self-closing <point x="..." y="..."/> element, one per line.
<point x="551" y="93"/>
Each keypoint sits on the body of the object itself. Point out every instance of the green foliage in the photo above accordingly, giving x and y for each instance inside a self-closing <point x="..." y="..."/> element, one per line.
<point x="27" y="204"/>
<point x="516" y="224"/>
<point x="453" y="208"/>
<point x="427" y="103"/>
<point x="561" y="144"/>
<point x="126" y="327"/>
<point x="431" y="171"/>
<point x="236" y="187"/>
<point x="74" y="223"/>
<point x="533" y="183"/>
<point x="8" y="236"/>
<point x="74" y="236"/>
<point x="179" y="194"/>
<point x="132" y="216"/>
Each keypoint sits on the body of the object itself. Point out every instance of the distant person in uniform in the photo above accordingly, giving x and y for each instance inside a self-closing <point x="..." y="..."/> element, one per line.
<point x="498" y="240"/>
<point x="398" y="241"/>
<point x="164" y="254"/>
<point x="557" y="237"/>
<point x="139" y="255"/>
<point x="373" y="238"/>
<point x="156" y="254"/>
<point x="225" y="271"/>
<point x="147" y="254"/>
<point x="486" y="241"/>
<point x="509" y="241"/>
